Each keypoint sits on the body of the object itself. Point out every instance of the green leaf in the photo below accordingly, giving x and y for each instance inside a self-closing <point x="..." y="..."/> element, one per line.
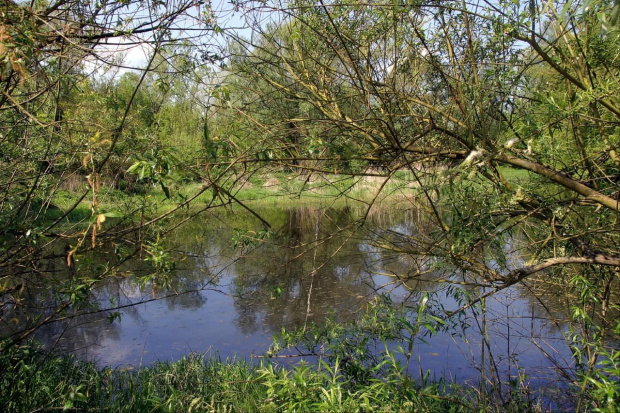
<point x="165" y="189"/>
<point x="134" y="166"/>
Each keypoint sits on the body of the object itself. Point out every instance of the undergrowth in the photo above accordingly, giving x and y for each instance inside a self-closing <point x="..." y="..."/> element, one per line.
<point x="33" y="380"/>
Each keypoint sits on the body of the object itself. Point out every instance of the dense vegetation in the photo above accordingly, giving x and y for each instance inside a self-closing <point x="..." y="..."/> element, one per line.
<point x="458" y="94"/>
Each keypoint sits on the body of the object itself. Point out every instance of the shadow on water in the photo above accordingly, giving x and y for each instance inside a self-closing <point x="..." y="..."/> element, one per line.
<point x="317" y="262"/>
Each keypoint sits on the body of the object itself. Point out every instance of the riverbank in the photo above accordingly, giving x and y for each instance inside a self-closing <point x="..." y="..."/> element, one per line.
<point x="363" y="367"/>
<point x="280" y="188"/>
<point x="35" y="381"/>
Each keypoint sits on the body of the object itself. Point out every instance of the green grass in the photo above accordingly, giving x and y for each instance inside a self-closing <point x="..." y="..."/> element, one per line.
<point x="514" y="175"/>
<point x="281" y="189"/>
<point x="35" y="381"/>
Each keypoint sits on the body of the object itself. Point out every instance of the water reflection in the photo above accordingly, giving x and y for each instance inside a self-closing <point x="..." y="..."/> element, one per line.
<point x="318" y="262"/>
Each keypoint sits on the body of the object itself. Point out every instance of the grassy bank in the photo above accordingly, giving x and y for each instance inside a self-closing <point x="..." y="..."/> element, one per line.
<point x="282" y="189"/>
<point x="35" y="381"/>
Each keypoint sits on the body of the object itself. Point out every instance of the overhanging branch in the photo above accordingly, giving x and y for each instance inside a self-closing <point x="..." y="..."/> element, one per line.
<point x="520" y="274"/>
<point x="560" y="178"/>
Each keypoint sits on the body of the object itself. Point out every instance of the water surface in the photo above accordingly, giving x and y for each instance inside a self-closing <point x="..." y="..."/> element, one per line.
<point x="229" y="295"/>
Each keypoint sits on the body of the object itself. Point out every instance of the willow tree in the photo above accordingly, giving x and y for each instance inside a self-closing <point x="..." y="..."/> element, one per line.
<point x="473" y="89"/>
<point x="505" y="113"/>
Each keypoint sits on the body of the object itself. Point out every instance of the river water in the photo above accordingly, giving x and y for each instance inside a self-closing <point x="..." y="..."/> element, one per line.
<point x="233" y="289"/>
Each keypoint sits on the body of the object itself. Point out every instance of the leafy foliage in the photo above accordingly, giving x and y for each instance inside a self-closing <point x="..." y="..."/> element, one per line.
<point x="456" y="94"/>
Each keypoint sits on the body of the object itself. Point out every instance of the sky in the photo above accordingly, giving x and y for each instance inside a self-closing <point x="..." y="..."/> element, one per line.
<point x="132" y="54"/>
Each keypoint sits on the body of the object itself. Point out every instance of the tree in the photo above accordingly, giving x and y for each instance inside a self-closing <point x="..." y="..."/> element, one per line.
<point x="60" y="131"/>
<point x="505" y="113"/>
<point x="452" y="84"/>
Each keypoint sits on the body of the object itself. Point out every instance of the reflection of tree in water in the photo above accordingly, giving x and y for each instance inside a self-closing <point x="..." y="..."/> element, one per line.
<point x="198" y="262"/>
<point x="247" y="319"/>
<point x="79" y="334"/>
<point x="315" y="255"/>
<point x="194" y="299"/>
<point x="40" y="298"/>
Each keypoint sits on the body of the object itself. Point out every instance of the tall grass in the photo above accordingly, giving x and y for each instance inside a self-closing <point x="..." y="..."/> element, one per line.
<point x="35" y="381"/>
